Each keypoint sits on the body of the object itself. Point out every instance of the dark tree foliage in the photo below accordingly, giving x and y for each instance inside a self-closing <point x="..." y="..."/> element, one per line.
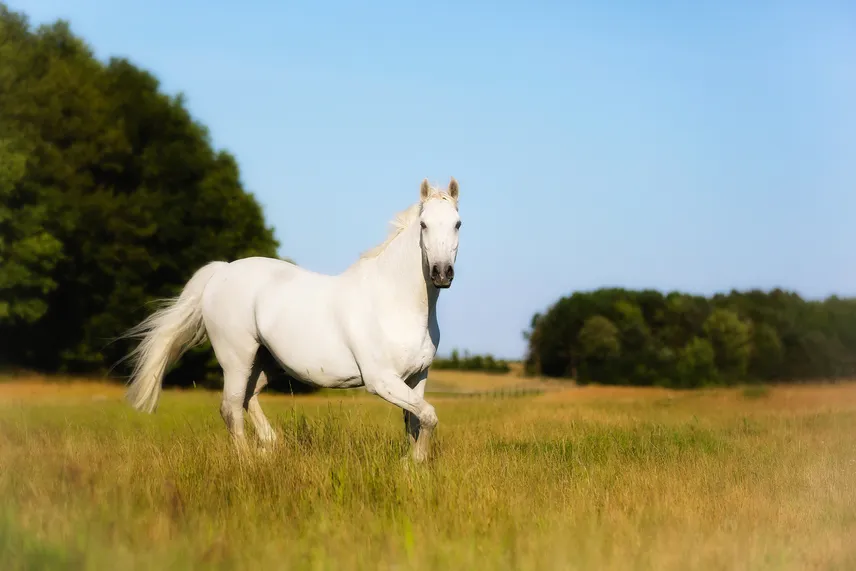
<point x="112" y="196"/>
<point x="617" y="336"/>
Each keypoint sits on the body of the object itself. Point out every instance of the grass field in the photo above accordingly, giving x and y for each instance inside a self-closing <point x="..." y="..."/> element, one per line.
<point x="591" y="478"/>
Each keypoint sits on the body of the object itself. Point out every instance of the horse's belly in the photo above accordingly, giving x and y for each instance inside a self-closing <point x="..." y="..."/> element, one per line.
<point x="316" y="369"/>
<point x="315" y="358"/>
<point x="302" y="334"/>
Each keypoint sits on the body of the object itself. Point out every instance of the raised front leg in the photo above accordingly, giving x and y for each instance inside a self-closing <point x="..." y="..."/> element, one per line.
<point x="394" y="390"/>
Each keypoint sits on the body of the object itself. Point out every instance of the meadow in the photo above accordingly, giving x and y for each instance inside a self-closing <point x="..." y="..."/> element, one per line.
<point x="573" y="478"/>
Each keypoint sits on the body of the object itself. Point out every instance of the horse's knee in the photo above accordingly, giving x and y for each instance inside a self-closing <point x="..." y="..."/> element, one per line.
<point x="428" y="416"/>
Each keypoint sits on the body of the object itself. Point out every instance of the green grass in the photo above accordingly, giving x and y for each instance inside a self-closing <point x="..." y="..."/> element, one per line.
<point x="711" y="481"/>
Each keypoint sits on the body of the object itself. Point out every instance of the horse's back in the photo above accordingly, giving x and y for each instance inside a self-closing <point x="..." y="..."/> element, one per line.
<point x="229" y="298"/>
<point x="261" y="268"/>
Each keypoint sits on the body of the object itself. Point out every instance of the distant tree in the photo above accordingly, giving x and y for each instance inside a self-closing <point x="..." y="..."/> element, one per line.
<point x="599" y="339"/>
<point x="484" y="363"/>
<point x="475" y="363"/>
<point x="28" y="253"/>
<point x="600" y="346"/>
<point x="731" y="341"/>
<point x="681" y="319"/>
<point x="664" y="339"/>
<point x="766" y="359"/>
<point x="638" y="347"/>
<point x="455" y="361"/>
<point x="532" y="363"/>
<point x="696" y="364"/>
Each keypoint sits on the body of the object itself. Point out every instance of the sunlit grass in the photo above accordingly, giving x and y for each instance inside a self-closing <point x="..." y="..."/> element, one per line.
<point x="585" y="479"/>
<point x="756" y="391"/>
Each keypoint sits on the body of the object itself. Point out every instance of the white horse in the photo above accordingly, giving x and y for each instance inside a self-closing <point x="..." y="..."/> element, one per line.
<point x="373" y="325"/>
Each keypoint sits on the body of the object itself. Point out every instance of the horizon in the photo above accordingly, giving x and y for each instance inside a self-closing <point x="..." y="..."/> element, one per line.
<point x="694" y="164"/>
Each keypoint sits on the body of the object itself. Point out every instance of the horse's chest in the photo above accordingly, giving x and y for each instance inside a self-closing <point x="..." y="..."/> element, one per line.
<point x="419" y="358"/>
<point x="409" y="339"/>
<point x="415" y="354"/>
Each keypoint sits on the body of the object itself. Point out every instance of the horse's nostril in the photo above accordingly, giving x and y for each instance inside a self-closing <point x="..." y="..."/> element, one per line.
<point x="450" y="273"/>
<point x="435" y="271"/>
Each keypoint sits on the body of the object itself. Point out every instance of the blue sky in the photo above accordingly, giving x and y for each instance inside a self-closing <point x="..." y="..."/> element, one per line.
<point x="699" y="146"/>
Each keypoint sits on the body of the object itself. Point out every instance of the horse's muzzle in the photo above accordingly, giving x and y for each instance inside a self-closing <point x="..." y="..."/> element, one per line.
<point x="442" y="275"/>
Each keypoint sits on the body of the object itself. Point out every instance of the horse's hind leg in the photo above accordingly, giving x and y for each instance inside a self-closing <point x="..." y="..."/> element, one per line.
<point x="236" y="359"/>
<point x="231" y="407"/>
<point x="265" y="432"/>
<point x="263" y="368"/>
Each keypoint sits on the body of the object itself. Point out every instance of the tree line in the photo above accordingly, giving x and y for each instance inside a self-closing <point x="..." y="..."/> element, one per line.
<point x="111" y="196"/>
<point x="483" y="363"/>
<point x="619" y="336"/>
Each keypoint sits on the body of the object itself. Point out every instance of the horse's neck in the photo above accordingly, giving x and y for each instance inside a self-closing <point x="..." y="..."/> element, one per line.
<point x="400" y="265"/>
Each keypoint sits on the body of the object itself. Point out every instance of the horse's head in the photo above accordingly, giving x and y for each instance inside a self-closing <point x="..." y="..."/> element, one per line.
<point x="440" y="222"/>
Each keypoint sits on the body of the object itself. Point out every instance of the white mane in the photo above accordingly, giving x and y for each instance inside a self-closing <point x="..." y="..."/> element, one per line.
<point x="402" y="220"/>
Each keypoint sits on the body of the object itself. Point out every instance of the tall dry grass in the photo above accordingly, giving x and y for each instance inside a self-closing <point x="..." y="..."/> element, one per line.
<point x="583" y="479"/>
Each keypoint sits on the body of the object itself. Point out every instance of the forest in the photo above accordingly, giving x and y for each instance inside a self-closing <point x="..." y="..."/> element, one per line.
<point x="111" y="195"/>
<point x="619" y="336"/>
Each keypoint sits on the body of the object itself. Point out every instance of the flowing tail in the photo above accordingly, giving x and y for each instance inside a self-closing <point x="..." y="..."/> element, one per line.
<point x="166" y="334"/>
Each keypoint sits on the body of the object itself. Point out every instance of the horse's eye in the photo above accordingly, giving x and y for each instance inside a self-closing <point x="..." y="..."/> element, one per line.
<point x="458" y="225"/>
<point x="424" y="226"/>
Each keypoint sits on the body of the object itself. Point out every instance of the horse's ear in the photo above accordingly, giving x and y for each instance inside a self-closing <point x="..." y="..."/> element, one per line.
<point x="453" y="189"/>
<point x="424" y="190"/>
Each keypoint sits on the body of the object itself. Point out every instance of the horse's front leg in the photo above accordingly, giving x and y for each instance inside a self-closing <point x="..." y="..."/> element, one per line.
<point x="411" y="421"/>
<point x="393" y="389"/>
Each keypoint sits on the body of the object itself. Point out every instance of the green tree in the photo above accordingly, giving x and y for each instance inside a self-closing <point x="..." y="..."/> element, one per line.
<point x="600" y="347"/>
<point x="696" y="365"/>
<point x="681" y="319"/>
<point x="28" y="253"/>
<point x="599" y="338"/>
<point x="638" y="348"/>
<point x="767" y="353"/>
<point x="455" y="360"/>
<point x="126" y="191"/>
<point x="730" y="338"/>
<point x="773" y="335"/>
